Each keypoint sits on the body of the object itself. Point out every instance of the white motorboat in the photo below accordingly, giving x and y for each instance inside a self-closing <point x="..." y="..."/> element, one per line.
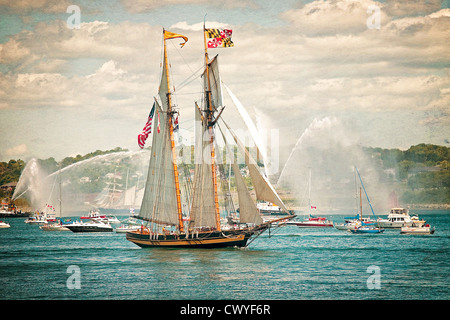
<point x="36" y="219"/>
<point x="269" y="208"/>
<point x="95" y="215"/>
<point x="347" y="225"/>
<point x="399" y="217"/>
<point x="351" y="223"/>
<point x="4" y="225"/>
<point x="424" y="229"/>
<point x="127" y="228"/>
<point x="129" y="224"/>
<point x="89" y="226"/>
<point x="53" y="227"/>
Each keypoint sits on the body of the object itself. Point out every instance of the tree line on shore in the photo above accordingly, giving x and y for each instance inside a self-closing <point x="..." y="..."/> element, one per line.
<point x="421" y="172"/>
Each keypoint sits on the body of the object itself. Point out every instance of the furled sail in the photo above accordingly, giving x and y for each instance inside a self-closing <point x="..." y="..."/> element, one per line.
<point x="159" y="203"/>
<point x="214" y="81"/>
<point x="164" y="90"/>
<point x="202" y="211"/>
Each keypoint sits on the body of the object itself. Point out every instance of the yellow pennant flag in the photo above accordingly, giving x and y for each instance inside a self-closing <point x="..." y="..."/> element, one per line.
<point x="171" y="35"/>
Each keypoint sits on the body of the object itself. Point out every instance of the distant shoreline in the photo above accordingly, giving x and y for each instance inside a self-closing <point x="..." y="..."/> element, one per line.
<point x="432" y="206"/>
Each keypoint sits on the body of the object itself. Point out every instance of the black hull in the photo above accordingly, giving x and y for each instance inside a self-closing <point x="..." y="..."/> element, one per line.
<point x="211" y="239"/>
<point x="15" y="215"/>
<point x="87" y="229"/>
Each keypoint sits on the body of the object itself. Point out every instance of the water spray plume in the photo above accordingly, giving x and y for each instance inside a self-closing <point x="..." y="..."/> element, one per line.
<point x="331" y="150"/>
<point x="37" y="185"/>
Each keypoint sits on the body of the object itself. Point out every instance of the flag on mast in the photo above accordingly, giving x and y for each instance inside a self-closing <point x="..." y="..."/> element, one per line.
<point x="221" y="38"/>
<point x="171" y="35"/>
<point x="147" y="129"/>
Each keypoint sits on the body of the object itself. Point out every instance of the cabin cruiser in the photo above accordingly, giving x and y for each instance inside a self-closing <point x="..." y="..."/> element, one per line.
<point x="353" y="222"/>
<point x="269" y="208"/>
<point x="424" y="229"/>
<point x="89" y="226"/>
<point x="55" y="226"/>
<point x="129" y="224"/>
<point x="96" y="216"/>
<point x="36" y="219"/>
<point x="399" y="217"/>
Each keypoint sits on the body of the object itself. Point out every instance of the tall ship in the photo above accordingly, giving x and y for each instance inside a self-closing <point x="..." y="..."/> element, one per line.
<point x="162" y="207"/>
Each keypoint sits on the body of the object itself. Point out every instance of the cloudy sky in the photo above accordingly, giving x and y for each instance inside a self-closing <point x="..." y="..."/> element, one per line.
<point x="67" y="91"/>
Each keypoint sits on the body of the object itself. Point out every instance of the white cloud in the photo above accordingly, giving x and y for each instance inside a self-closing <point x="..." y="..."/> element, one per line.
<point x="12" y="51"/>
<point x="52" y="6"/>
<point x="323" y="61"/>
<point x="332" y="17"/>
<point x="17" y="151"/>
<point x="138" y="6"/>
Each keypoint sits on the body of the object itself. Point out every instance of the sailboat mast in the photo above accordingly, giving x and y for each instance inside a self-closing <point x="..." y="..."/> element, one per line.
<point x="172" y="140"/>
<point x="360" y="203"/>
<point x="309" y="192"/>
<point x="60" y="197"/>
<point x="209" y="116"/>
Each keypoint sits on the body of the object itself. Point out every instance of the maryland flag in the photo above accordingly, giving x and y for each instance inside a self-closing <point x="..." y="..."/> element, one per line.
<point x="221" y="38"/>
<point x="171" y="35"/>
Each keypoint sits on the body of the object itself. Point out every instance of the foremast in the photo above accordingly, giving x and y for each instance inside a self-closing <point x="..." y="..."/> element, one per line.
<point x="170" y="114"/>
<point x="209" y="111"/>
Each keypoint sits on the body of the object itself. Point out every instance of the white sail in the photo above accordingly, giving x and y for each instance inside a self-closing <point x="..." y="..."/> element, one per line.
<point x="263" y="188"/>
<point x="248" y="212"/>
<point x="214" y="81"/>
<point x="202" y="211"/>
<point x="250" y="125"/>
<point x="159" y="203"/>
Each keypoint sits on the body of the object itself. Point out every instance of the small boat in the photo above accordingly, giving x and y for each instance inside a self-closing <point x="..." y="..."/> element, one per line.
<point x="54" y="227"/>
<point x="96" y="216"/>
<point x="89" y="226"/>
<point x="347" y="225"/>
<point x="351" y="222"/>
<point x="129" y="224"/>
<point x="36" y="219"/>
<point x="366" y="229"/>
<point x="423" y="229"/>
<point x="399" y="217"/>
<point x="311" y="222"/>
<point x="365" y="226"/>
<point x="269" y="208"/>
<point x="4" y="225"/>
<point x="127" y="228"/>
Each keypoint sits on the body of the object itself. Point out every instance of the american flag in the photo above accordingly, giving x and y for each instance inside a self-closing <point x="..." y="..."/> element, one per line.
<point x="147" y="129"/>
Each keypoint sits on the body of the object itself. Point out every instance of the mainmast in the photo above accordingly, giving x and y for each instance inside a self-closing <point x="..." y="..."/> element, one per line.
<point x="209" y="110"/>
<point x="170" y="124"/>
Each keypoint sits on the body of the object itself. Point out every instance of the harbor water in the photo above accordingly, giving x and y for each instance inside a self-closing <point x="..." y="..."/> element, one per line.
<point x="290" y="263"/>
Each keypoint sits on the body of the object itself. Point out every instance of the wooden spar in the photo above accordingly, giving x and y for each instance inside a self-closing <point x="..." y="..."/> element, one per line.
<point x="172" y="140"/>
<point x="209" y="113"/>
